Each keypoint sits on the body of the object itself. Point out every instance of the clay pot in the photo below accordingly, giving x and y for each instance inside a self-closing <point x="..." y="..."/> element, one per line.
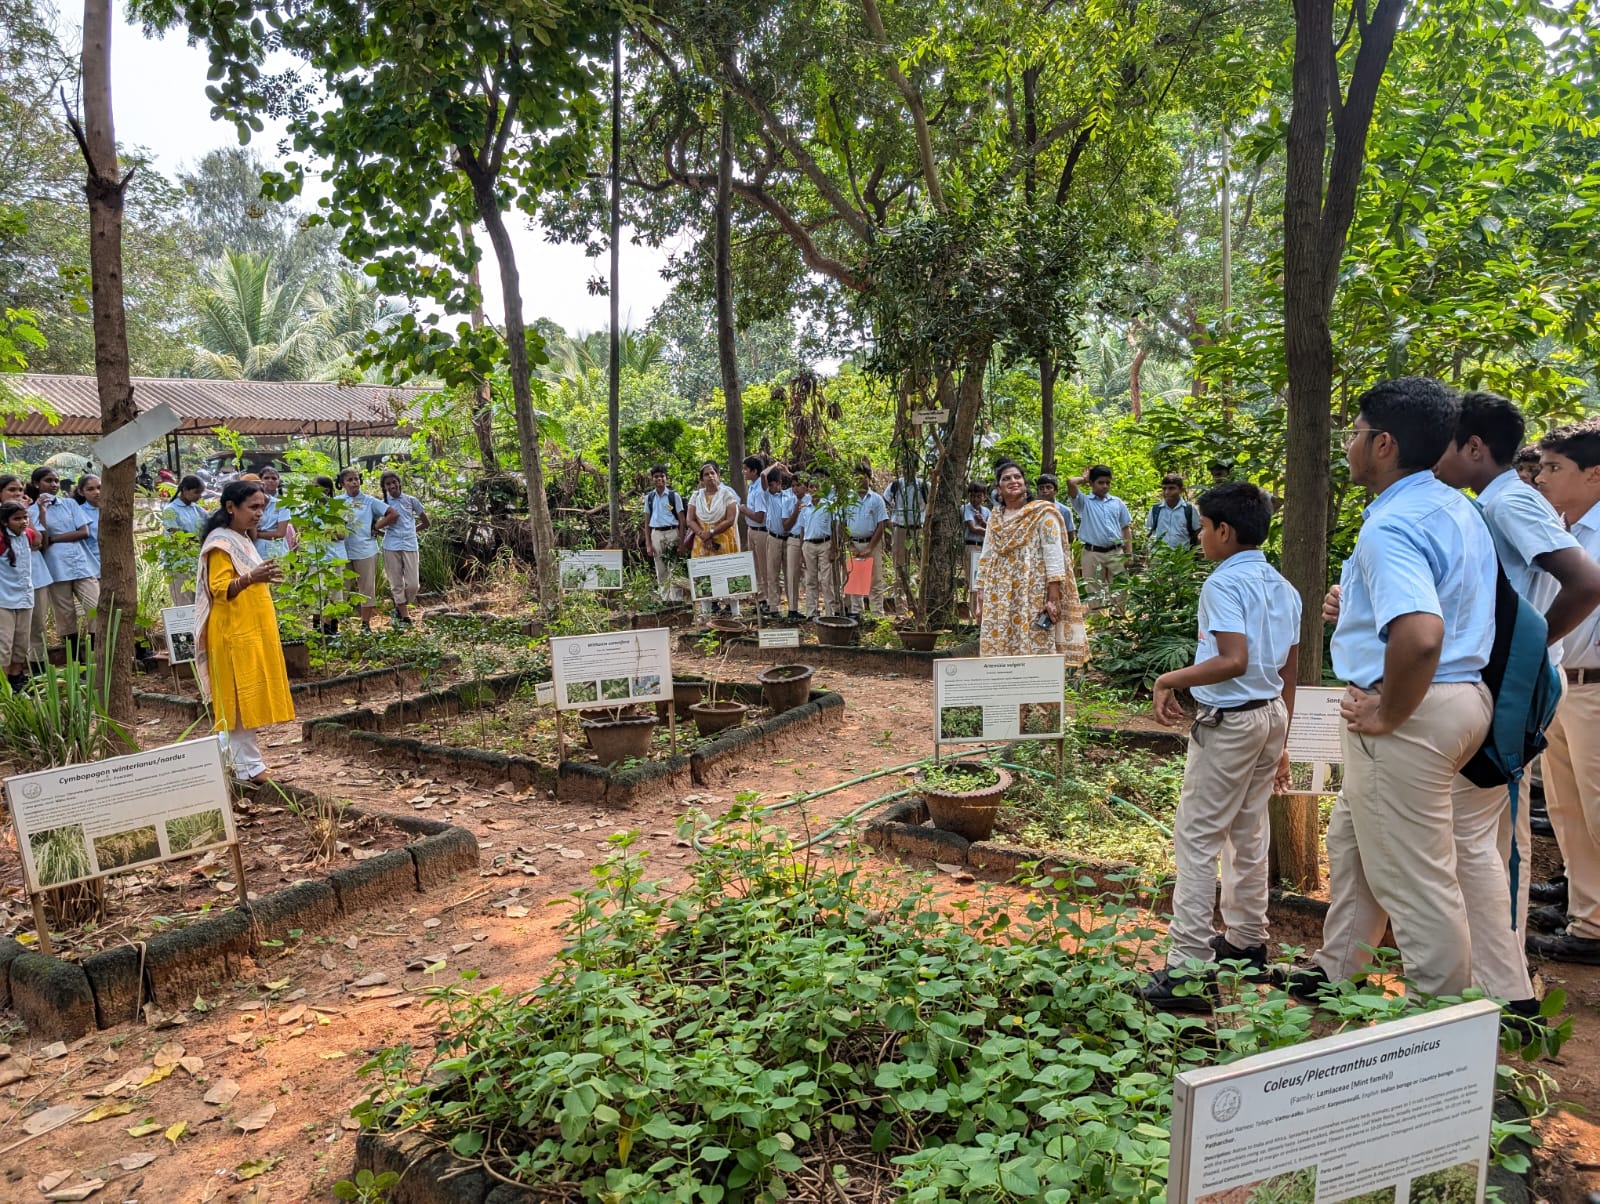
<point x="616" y="740"/>
<point x="729" y="626"/>
<point x="786" y="686"/>
<point x="297" y="658"/>
<point x="918" y="639"/>
<point x="837" y="631"/>
<point x="686" y="691"/>
<point x="713" y="717"/>
<point x="967" y="813"/>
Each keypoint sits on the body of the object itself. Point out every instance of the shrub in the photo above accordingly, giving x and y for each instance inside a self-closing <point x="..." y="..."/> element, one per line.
<point x="1153" y="631"/>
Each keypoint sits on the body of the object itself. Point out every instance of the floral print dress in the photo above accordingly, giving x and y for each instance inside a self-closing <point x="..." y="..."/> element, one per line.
<point x="1023" y="552"/>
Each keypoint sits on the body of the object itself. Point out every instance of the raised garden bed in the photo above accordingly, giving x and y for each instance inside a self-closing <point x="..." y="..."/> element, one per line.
<point x="65" y="997"/>
<point x="852" y="658"/>
<point x="366" y="681"/>
<point x="493" y="728"/>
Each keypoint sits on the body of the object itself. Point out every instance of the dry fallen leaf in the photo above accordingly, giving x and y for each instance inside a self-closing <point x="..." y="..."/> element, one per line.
<point x="256" y="1166"/>
<point x="516" y="913"/>
<point x="222" y="1092"/>
<point x="258" y="1119"/>
<point x="52" y="1181"/>
<point x="378" y="993"/>
<point x="327" y="962"/>
<point x="132" y="1162"/>
<point x="43" y="1122"/>
<point x="293" y="1014"/>
<point x="78" y="1191"/>
<point x="175" y="1132"/>
<point x="168" y="1054"/>
<point x="241" y="1038"/>
<point x="56" y="1049"/>
<point x="192" y="1064"/>
<point x="376" y="978"/>
<point x="159" y="1073"/>
<point x="432" y="923"/>
<point x="103" y="1111"/>
<point x="350" y="942"/>
<point x="145" y="1128"/>
<point x="15" y="1070"/>
<point x="115" y="1085"/>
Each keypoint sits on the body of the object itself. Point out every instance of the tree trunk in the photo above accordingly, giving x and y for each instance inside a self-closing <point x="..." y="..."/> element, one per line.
<point x="943" y="546"/>
<point x="104" y="188"/>
<point x="1136" y="382"/>
<point x="539" y="526"/>
<point x="727" y="347"/>
<point x="614" y="380"/>
<point x="1319" y="202"/>
<point x="1047" y="413"/>
<point x="483" y="402"/>
<point x="1296" y="841"/>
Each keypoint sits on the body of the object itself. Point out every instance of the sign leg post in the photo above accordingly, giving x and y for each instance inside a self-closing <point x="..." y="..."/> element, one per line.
<point x="672" y="724"/>
<point x="39" y="924"/>
<point x="238" y="873"/>
<point x="561" y="740"/>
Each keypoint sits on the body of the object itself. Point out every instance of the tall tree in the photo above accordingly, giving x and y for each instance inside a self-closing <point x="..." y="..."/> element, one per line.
<point x="727" y="345"/>
<point x="105" y="187"/>
<point x="1319" y="203"/>
<point x="425" y="114"/>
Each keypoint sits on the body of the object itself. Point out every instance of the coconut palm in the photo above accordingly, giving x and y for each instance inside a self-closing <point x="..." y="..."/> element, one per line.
<point x="575" y="356"/>
<point x="349" y="308"/>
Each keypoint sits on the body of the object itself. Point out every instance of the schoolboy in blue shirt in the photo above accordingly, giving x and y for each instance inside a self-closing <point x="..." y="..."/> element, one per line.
<point x="1243" y="678"/>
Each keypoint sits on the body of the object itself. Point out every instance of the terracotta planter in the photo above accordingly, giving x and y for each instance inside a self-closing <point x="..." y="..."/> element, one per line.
<point x="616" y="740"/>
<point x="918" y="639"/>
<point x="297" y="658"/>
<point x="837" y="632"/>
<point x="728" y="626"/>
<point x="686" y="691"/>
<point x="629" y="710"/>
<point x="786" y="686"/>
<point x="967" y="813"/>
<point x="713" y="717"/>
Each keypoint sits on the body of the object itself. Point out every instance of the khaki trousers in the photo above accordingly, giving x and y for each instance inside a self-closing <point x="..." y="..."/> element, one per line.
<point x="403" y="569"/>
<point x="776" y="552"/>
<point x="1572" y="796"/>
<point x="1099" y="568"/>
<point x="793" y="569"/>
<point x="902" y="566"/>
<point x="757" y="548"/>
<point x="1222" y="814"/>
<point x="660" y="543"/>
<point x="858" y="548"/>
<point x="16" y="627"/>
<point x="41" y="616"/>
<point x="75" y="604"/>
<point x="1392" y="845"/>
<point x="821" y="598"/>
<point x="1499" y="965"/>
<point x="366" y="571"/>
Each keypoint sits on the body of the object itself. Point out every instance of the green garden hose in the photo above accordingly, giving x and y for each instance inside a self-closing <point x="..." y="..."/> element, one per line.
<point x="839" y="825"/>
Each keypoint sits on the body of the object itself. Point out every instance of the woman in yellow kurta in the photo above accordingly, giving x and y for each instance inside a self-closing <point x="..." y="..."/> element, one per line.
<point x="1023" y="573"/>
<point x="238" y="654"/>
<point x="713" y="520"/>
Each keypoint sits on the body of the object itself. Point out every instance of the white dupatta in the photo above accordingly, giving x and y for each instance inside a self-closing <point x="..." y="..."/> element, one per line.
<point x="242" y="551"/>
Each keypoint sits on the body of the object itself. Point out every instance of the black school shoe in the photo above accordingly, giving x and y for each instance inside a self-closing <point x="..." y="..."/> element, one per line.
<point x="1547" y="919"/>
<point x="1180" y="992"/>
<point x="1564" y="947"/>
<point x="1553" y="892"/>
<point x="1255" y="957"/>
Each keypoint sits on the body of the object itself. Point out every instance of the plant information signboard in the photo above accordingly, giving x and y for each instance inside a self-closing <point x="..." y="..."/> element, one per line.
<point x="178" y="623"/>
<point x="731" y="575"/>
<point x="611" y="668"/>
<point x="598" y="569"/>
<point x="1315" y="732"/>
<point x="978" y="699"/>
<point x="83" y="821"/>
<point x="1398" y="1111"/>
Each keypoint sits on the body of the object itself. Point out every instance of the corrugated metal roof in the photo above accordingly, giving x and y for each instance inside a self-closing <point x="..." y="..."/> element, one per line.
<point x="249" y="407"/>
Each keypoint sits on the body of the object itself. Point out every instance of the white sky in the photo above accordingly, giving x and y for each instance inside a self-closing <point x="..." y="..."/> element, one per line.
<point x="158" y="94"/>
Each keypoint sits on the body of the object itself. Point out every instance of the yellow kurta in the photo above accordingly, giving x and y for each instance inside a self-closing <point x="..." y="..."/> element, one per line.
<point x="249" y="684"/>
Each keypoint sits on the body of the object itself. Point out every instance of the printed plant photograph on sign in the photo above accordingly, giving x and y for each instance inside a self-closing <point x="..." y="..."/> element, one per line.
<point x="583" y="691"/>
<point x="702" y="587"/>
<point x="117" y="849"/>
<point x="574" y="576"/>
<point x="1293" y="1187"/>
<point x="60" y="855"/>
<point x="741" y="585"/>
<point x="1039" y="717"/>
<point x="956" y="723"/>
<point x="647" y="685"/>
<point x="1456" y="1184"/>
<point x="185" y="832"/>
<point x="613" y="688"/>
<point x="609" y="578"/>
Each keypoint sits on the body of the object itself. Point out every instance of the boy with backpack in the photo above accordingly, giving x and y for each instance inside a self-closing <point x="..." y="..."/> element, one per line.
<point x="1173" y="520"/>
<point x="1554" y="576"/>
<point x="1243" y="679"/>
<point x="1416" y="626"/>
<point x="663" y="526"/>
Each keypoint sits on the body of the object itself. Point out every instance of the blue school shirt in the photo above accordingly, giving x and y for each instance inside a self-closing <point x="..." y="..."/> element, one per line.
<point x="864" y="514"/>
<point x="755" y="498"/>
<point x="178" y="515"/>
<point x="401" y="535"/>
<point x="969" y="514"/>
<point x="16" y="581"/>
<point x="67" y="561"/>
<point x="275" y="513"/>
<point x="1524" y="526"/>
<point x="1423" y="549"/>
<point x="92" y="544"/>
<point x="1066" y="517"/>
<point x="1244" y="595"/>
<point x="359" y="542"/>
<point x="780" y="506"/>
<point x="815" y="521"/>
<point x="662" y="512"/>
<point x="1101" y="519"/>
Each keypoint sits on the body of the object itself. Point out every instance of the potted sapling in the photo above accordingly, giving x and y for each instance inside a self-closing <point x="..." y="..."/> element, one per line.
<point x="964" y="796"/>
<point x="713" y="715"/>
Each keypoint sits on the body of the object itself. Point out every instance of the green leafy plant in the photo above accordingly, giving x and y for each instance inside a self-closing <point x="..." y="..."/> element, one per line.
<point x="64" y="718"/>
<point x="949" y="780"/>
<point x="366" y="1188"/>
<point x="1153" y="631"/>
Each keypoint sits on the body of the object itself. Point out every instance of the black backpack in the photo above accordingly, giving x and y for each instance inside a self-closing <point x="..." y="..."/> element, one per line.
<point x="673" y="500"/>
<point x="1188" y="522"/>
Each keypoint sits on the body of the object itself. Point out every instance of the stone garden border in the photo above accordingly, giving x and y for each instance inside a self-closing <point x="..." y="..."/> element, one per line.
<point x="360" y="684"/>
<point x="572" y="781"/>
<point x="63" y="1000"/>
<point x="850" y="657"/>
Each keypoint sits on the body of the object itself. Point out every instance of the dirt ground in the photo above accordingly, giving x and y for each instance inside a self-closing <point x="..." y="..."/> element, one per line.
<point x="283" y="1044"/>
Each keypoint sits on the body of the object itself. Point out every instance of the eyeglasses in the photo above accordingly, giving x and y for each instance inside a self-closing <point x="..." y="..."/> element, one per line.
<point x="1348" y="435"/>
